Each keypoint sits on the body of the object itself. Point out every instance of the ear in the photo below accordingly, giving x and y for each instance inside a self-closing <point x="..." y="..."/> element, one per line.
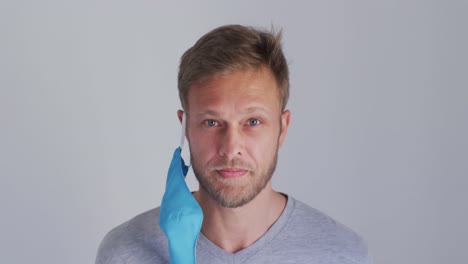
<point x="285" y="119"/>
<point x="180" y="113"/>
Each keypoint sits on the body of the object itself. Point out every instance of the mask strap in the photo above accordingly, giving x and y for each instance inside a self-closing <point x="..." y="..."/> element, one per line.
<point x="182" y="138"/>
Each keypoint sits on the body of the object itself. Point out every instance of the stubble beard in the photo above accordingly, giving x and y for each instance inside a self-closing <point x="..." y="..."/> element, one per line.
<point x="230" y="195"/>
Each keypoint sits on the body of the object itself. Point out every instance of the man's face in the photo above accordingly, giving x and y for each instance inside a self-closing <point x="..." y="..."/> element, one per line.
<point x="235" y="126"/>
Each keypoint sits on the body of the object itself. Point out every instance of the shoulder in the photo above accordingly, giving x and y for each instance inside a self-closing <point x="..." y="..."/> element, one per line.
<point x="320" y="230"/>
<point x="139" y="238"/>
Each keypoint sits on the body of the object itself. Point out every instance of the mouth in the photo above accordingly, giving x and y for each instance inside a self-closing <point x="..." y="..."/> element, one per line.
<point x="231" y="173"/>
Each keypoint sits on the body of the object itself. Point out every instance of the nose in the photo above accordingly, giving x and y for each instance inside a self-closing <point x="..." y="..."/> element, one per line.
<point x="231" y="144"/>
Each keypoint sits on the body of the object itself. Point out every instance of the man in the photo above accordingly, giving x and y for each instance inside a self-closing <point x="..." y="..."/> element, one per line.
<point x="234" y="87"/>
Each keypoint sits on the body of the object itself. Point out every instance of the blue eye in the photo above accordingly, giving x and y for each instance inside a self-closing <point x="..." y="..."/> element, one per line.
<point x="253" y="122"/>
<point x="211" y="122"/>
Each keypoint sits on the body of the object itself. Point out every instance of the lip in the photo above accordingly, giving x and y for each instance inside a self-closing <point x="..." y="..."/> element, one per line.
<point x="230" y="173"/>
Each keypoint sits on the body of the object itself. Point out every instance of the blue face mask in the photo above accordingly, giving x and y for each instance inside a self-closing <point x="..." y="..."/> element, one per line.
<point x="180" y="216"/>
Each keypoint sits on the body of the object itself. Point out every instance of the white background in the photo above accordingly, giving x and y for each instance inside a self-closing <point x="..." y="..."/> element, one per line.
<point x="378" y="138"/>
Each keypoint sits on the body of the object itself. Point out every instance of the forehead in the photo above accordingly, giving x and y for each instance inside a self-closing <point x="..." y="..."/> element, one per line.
<point x="239" y="89"/>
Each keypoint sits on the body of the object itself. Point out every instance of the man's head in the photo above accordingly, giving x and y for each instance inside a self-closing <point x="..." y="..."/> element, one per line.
<point x="233" y="85"/>
<point x="231" y="48"/>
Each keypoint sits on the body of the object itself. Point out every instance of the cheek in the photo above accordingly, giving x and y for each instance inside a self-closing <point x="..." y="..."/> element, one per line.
<point x="200" y="144"/>
<point x="260" y="146"/>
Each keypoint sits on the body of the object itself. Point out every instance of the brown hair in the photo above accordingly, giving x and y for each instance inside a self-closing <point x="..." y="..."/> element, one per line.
<point x="229" y="48"/>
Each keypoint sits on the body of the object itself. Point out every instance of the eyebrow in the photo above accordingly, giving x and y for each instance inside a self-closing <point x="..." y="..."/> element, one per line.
<point x="207" y="112"/>
<point x="247" y="111"/>
<point x="254" y="109"/>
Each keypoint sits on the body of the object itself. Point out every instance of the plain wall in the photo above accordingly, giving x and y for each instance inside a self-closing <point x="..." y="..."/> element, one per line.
<point x="378" y="136"/>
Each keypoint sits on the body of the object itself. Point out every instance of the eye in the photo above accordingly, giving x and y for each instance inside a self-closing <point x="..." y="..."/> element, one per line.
<point x="211" y="122"/>
<point x="253" y="122"/>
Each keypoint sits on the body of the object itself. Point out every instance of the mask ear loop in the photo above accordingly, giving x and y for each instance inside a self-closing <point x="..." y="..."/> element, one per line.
<point x="182" y="137"/>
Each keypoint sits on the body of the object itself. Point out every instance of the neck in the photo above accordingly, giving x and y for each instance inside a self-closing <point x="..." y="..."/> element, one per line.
<point x="234" y="229"/>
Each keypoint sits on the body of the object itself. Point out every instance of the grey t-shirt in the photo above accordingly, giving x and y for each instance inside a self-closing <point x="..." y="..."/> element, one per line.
<point x="300" y="235"/>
